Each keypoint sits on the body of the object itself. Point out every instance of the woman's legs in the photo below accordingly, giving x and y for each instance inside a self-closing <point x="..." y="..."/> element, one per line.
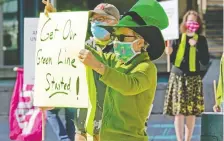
<point x="179" y="127"/>
<point x="189" y="127"/>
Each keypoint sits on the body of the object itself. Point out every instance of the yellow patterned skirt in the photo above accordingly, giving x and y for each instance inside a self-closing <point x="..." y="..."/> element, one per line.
<point x="184" y="96"/>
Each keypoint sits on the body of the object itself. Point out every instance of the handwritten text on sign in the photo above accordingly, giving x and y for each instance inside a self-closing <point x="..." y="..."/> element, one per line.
<point x="60" y="78"/>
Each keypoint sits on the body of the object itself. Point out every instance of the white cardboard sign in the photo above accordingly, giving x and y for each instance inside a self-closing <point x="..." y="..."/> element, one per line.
<point x="30" y="33"/>
<point x="60" y="78"/>
<point x="171" y="9"/>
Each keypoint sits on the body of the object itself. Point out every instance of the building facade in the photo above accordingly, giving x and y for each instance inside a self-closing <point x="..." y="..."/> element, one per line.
<point x="12" y="13"/>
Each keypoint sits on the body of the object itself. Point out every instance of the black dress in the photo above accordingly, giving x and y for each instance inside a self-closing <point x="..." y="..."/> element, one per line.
<point x="184" y="93"/>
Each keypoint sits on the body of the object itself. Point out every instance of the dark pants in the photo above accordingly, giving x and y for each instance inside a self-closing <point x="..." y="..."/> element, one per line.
<point x="63" y="133"/>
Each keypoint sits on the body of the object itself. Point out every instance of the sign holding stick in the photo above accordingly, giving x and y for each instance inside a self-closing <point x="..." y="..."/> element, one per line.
<point x="43" y="124"/>
<point x="214" y="86"/>
<point x="168" y="56"/>
<point x="60" y="78"/>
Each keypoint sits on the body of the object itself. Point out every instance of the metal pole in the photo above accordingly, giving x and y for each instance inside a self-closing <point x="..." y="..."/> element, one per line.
<point x="54" y="3"/>
<point x="21" y="29"/>
<point x="1" y="35"/>
<point x="36" y="8"/>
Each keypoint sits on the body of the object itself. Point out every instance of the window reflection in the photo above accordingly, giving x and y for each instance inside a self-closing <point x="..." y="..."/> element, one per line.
<point x="10" y="32"/>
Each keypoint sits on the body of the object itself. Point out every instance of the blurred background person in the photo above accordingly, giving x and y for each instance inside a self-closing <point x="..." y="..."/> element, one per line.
<point x="184" y="96"/>
<point x="218" y="107"/>
<point x="7" y="39"/>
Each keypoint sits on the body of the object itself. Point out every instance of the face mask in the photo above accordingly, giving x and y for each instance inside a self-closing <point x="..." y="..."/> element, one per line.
<point x="192" y="26"/>
<point x="124" y="50"/>
<point x="99" y="32"/>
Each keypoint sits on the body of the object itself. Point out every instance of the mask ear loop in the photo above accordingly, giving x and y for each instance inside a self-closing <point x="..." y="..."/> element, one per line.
<point x="132" y="47"/>
<point x="146" y="45"/>
<point x="115" y="41"/>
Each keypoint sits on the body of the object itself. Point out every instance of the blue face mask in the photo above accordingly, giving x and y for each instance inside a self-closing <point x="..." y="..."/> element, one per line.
<point x="124" y="51"/>
<point x="99" y="32"/>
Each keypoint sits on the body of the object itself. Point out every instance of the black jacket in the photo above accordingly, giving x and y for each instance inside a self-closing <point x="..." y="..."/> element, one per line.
<point x="202" y="55"/>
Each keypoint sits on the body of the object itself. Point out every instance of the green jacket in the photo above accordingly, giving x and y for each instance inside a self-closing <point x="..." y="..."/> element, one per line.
<point x="220" y="88"/>
<point x="130" y="93"/>
<point x="97" y="88"/>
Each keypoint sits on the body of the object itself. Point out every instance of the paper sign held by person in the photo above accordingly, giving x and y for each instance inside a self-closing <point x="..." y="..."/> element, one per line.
<point x="60" y="78"/>
<point x="171" y="9"/>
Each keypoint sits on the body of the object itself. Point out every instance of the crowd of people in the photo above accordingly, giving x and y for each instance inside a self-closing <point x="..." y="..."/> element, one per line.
<point x="119" y="57"/>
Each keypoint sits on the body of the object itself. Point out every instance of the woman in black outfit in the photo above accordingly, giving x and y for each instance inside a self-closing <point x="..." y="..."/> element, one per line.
<point x="184" y="97"/>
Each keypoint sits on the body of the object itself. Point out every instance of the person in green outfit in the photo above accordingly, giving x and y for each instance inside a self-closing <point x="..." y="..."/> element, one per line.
<point x="129" y="74"/>
<point x="218" y="107"/>
<point x="102" y="14"/>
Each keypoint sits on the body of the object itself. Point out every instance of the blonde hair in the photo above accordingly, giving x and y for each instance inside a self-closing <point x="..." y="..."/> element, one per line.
<point x="183" y="28"/>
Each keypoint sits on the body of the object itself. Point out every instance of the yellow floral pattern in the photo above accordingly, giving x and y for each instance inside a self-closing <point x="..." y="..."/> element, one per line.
<point x="184" y="96"/>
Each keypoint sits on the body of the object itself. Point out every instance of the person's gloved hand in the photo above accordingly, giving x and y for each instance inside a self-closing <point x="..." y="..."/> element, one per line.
<point x="48" y="7"/>
<point x="216" y="108"/>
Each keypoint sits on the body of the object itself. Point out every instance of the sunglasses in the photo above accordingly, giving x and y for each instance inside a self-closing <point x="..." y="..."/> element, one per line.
<point x="120" y="37"/>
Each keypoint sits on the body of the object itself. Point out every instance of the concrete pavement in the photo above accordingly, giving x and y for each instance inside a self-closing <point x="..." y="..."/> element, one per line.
<point x="160" y="128"/>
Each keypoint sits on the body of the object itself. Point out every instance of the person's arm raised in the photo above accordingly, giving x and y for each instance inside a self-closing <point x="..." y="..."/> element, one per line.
<point x="48" y="7"/>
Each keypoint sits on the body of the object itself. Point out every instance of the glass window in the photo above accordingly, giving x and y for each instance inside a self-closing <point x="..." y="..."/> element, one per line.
<point x="76" y="5"/>
<point x="10" y="32"/>
<point x="71" y="5"/>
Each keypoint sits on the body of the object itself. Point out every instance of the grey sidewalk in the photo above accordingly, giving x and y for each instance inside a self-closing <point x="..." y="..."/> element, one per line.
<point x="160" y="129"/>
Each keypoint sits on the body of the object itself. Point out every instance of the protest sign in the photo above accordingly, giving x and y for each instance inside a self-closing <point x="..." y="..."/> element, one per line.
<point x="171" y="9"/>
<point x="60" y="78"/>
<point x="30" y="33"/>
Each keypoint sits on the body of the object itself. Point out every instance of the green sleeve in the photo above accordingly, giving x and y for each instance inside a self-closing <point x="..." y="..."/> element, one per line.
<point x="106" y="58"/>
<point x="220" y="92"/>
<point x="143" y="77"/>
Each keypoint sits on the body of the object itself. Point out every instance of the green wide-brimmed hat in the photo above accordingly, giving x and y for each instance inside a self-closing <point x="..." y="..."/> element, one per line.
<point x="147" y="18"/>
